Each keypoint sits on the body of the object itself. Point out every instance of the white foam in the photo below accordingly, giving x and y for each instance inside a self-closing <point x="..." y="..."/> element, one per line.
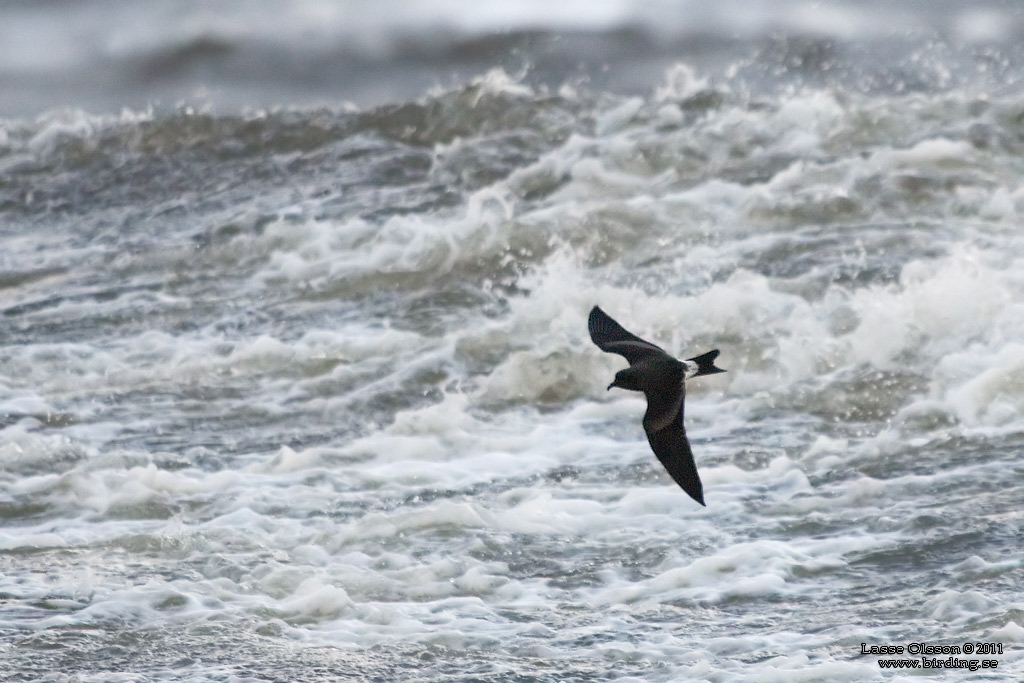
<point x="618" y="117"/>
<point x="1012" y="632"/>
<point x="315" y="599"/>
<point x="681" y="82"/>
<point x="25" y="402"/>
<point x="801" y="667"/>
<point x="951" y="606"/>
<point x="744" y="569"/>
<point x="25" y="450"/>
<point x="23" y="540"/>
<point x="986" y="386"/>
<point x="929" y="152"/>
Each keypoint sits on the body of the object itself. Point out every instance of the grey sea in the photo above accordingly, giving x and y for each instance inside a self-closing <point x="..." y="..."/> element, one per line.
<point x="295" y="379"/>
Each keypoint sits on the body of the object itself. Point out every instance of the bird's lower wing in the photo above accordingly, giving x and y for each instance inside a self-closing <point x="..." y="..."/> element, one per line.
<point x="673" y="450"/>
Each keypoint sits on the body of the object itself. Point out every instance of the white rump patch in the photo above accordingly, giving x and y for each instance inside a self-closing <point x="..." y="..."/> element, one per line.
<point x="691" y="369"/>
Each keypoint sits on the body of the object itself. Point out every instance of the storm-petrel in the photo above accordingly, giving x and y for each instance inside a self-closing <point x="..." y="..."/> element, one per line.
<point x="662" y="378"/>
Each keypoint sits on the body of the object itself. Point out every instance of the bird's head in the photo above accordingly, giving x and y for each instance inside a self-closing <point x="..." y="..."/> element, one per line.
<point x="626" y="379"/>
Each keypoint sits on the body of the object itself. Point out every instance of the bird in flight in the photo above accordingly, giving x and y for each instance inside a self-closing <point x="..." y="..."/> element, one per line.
<point x="662" y="378"/>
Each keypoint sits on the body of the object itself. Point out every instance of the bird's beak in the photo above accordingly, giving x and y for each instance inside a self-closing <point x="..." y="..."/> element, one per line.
<point x="610" y="386"/>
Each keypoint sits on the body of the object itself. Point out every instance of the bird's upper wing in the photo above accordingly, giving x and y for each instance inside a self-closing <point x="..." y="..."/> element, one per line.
<point x="613" y="338"/>
<point x="666" y="434"/>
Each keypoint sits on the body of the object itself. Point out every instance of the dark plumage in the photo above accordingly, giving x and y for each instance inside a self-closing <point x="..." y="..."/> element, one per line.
<point x="662" y="379"/>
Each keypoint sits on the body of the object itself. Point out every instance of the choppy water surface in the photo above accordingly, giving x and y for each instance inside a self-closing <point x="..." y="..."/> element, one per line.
<point x="307" y="394"/>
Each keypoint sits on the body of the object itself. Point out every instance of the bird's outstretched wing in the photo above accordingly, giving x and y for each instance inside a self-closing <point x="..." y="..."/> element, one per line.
<point x="614" y="338"/>
<point x="663" y="423"/>
<point x="668" y="440"/>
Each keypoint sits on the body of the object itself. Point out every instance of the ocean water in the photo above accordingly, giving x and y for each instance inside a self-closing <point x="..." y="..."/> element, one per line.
<point x="296" y="385"/>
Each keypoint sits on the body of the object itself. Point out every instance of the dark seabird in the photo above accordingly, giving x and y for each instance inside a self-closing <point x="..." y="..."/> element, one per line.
<point x="662" y="378"/>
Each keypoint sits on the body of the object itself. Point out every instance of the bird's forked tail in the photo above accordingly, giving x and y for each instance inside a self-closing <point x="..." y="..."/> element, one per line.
<point x="706" y="363"/>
